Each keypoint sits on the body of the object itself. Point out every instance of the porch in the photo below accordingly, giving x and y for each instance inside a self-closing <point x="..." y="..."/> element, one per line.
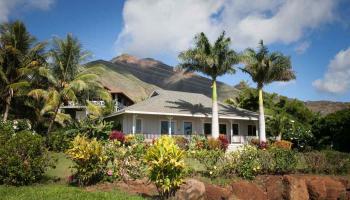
<point x="237" y="131"/>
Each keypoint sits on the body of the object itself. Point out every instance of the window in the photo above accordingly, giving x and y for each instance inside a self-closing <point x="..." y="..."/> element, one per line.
<point x="251" y="130"/>
<point x="207" y="128"/>
<point x="235" y="129"/>
<point x="164" y="127"/>
<point x="138" y="126"/>
<point x="222" y="129"/>
<point x="187" y="128"/>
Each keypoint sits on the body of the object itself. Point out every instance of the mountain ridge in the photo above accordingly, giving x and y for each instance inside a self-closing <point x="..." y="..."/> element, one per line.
<point x="140" y="76"/>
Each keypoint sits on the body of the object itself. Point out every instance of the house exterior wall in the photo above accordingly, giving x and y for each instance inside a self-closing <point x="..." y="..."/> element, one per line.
<point x="151" y="124"/>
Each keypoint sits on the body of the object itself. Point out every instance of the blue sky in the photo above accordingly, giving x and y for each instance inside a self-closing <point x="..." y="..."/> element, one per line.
<point x="315" y="33"/>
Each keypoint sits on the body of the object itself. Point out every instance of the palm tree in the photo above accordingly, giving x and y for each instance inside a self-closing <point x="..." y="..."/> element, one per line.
<point x="67" y="77"/>
<point x="213" y="60"/>
<point x="20" y="57"/>
<point x="278" y="124"/>
<point x="265" y="68"/>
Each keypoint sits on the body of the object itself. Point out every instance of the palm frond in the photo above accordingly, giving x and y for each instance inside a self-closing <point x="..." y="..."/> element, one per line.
<point x="62" y="118"/>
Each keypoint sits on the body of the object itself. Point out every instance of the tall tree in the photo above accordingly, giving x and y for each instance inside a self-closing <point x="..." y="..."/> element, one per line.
<point x="67" y="77"/>
<point x="20" y="56"/>
<point x="264" y="68"/>
<point x="213" y="60"/>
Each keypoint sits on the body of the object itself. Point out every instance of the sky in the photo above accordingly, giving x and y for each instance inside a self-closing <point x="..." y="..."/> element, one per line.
<point x="314" y="33"/>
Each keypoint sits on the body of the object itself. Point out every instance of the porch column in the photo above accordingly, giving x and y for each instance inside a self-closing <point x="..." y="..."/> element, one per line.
<point x="202" y="125"/>
<point x="231" y="130"/>
<point x="134" y="124"/>
<point x="169" y="125"/>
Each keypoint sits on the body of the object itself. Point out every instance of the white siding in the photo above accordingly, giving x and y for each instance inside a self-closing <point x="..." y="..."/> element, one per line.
<point x="151" y="124"/>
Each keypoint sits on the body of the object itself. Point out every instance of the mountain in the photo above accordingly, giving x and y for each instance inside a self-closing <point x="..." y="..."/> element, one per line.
<point x="147" y="74"/>
<point x="139" y="77"/>
<point x="326" y="107"/>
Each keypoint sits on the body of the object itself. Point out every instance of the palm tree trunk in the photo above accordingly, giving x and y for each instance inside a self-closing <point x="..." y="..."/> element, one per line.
<point x="279" y="137"/>
<point x="262" y="134"/>
<point x="215" y="114"/>
<point x="7" y="107"/>
<point x="52" y="120"/>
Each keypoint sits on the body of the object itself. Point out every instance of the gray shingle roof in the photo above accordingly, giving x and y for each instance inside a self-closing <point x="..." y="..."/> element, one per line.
<point x="165" y="102"/>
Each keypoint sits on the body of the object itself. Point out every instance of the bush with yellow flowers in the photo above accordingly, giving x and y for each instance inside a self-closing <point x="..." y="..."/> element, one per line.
<point x="165" y="161"/>
<point x="90" y="160"/>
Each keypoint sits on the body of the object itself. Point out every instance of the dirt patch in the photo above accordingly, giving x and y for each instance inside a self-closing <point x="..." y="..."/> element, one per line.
<point x="140" y="187"/>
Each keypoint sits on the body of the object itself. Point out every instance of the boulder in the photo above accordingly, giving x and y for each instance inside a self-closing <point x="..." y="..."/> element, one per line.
<point x="296" y="188"/>
<point x="247" y="191"/>
<point x="325" y="188"/>
<point x="213" y="192"/>
<point x="191" y="190"/>
<point x="274" y="187"/>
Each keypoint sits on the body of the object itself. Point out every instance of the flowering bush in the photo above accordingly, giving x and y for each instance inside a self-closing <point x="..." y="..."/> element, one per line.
<point x="214" y="144"/>
<point x="210" y="160"/>
<point x="247" y="162"/>
<point x="90" y="159"/>
<point x="23" y="157"/>
<point x="117" y="135"/>
<point x="166" y="165"/>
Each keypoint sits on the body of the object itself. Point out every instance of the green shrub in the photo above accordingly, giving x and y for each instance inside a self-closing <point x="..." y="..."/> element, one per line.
<point x="214" y="144"/>
<point x="285" y="160"/>
<point x="23" y="157"/>
<point x="60" y="139"/>
<point x="210" y="159"/>
<point x="126" y="161"/>
<point x="251" y="161"/>
<point x="198" y="142"/>
<point x="166" y="165"/>
<point x="90" y="160"/>
<point x="247" y="162"/>
<point x="325" y="162"/>
<point x="182" y="142"/>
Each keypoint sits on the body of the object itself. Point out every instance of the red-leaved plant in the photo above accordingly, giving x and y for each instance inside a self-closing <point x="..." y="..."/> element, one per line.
<point x="117" y="135"/>
<point x="223" y="141"/>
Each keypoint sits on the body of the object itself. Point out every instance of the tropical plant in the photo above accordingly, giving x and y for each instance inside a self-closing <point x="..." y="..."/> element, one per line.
<point x="98" y="128"/>
<point x="264" y="68"/>
<point x="90" y="159"/>
<point x="166" y="165"/>
<point x="67" y="78"/>
<point x="278" y="125"/>
<point x="20" y="59"/>
<point x="213" y="60"/>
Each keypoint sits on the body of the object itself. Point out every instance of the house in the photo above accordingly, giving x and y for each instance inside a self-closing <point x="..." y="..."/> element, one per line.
<point x="186" y="114"/>
<point x="78" y="110"/>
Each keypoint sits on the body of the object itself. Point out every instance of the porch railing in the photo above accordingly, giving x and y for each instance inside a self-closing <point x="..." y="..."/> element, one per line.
<point x="151" y="136"/>
<point x="242" y="139"/>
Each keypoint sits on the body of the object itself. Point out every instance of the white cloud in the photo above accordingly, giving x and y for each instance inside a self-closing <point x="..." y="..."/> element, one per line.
<point x="167" y="26"/>
<point x="285" y="83"/>
<point x="302" y="47"/>
<point x="337" y="78"/>
<point x="8" y="6"/>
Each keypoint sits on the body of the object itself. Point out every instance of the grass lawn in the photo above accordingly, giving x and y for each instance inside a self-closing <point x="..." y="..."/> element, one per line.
<point x="62" y="169"/>
<point x="59" y="192"/>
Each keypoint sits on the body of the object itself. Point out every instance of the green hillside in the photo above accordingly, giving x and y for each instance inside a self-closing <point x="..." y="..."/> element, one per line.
<point x="139" y="77"/>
